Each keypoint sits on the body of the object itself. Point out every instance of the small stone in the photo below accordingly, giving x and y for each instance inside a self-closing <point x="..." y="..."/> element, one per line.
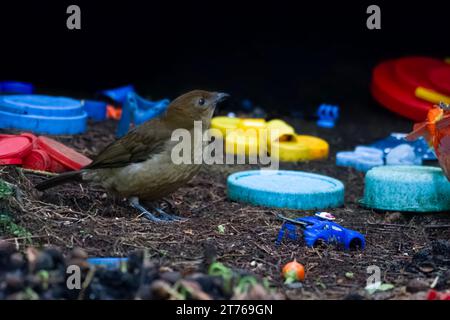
<point x="79" y="253"/>
<point x="417" y="285"/>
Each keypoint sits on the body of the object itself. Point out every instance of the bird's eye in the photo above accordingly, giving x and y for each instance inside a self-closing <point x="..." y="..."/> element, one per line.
<point x="201" y="101"/>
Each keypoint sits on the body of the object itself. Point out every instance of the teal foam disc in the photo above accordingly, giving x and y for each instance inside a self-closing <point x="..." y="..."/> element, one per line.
<point x="407" y="188"/>
<point x="285" y="189"/>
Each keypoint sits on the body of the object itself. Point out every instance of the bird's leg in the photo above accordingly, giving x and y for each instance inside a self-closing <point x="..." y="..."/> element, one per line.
<point x="134" y="202"/>
<point x="169" y="217"/>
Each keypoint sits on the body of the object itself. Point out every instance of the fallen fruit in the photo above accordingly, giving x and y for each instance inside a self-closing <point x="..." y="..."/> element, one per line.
<point x="293" y="271"/>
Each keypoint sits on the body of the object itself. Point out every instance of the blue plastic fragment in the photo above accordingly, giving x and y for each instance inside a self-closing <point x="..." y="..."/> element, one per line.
<point x="403" y="154"/>
<point x="96" y="110"/>
<point x="327" y="114"/>
<point x="118" y="95"/>
<point x="421" y="147"/>
<point x="137" y="110"/>
<point x="317" y="229"/>
<point x="108" y="263"/>
<point x="285" y="189"/>
<point x="42" y="114"/>
<point x="362" y="159"/>
<point x="16" y="87"/>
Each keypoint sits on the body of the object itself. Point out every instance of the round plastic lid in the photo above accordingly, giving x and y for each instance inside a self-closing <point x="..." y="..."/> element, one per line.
<point x="37" y="160"/>
<point x="440" y="78"/>
<point x="15" y="147"/>
<point x="407" y="188"/>
<point x="63" y="154"/>
<point x="395" y="97"/>
<point x="10" y="161"/>
<point x="413" y="71"/>
<point x="41" y="105"/>
<point x="285" y="189"/>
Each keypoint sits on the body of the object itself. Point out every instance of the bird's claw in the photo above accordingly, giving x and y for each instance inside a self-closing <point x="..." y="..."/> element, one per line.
<point x="169" y="217"/>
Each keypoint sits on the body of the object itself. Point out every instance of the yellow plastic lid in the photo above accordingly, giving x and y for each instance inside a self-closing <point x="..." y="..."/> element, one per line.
<point x="299" y="148"/>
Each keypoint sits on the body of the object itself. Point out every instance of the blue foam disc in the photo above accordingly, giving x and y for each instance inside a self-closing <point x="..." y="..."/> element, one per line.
<point x="407" y="188"/>
<point x="41" y="105"/>
<point x="285" y="189"/>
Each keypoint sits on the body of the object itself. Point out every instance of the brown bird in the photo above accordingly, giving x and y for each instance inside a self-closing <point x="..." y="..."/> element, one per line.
<point x="139" y="165"/>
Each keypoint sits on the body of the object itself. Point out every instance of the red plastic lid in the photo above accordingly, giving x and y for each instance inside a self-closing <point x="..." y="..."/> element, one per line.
<point x="56" y="166"/>
<point x="15" y="147"/>
<point x="413" y="72"/>
<point x="10" y="161"/>
<point x="63" y="154"/>
<point x="31" y="136"/>
<point x="440" y="78"/>
<point x="37" y="160"/>
<point x="389" y="93"/>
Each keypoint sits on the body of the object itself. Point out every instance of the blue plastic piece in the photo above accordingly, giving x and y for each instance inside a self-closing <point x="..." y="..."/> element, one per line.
<point x="16" y="87"/>
<point x="119" y="94"/>
<point x="327" y="114"/>
<point x="362" y="159"/>
<point x="317" y="229"/>
<point x="40" y="105"/>
<point x="421" y="147"/>
<point x="42" y="114"/>
<point x="108" y="263"/>
<point x="137" y="110"/>
<point x="403" y="154"/>
<point x="285" y="189"/>
<point x="96" y="110"/>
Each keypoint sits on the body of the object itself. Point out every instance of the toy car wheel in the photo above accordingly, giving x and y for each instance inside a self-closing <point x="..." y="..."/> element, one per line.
<point x="321" y="243"/>
<point x="355" y="244"/>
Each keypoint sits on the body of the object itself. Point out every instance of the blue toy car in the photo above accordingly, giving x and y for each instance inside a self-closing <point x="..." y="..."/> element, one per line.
<point x="318" y="229"/>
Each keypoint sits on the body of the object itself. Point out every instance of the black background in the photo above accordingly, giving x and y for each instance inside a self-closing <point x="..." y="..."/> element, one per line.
<point x="281" y="54"/>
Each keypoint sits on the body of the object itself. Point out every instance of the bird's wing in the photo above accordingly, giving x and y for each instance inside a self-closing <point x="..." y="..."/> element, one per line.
<point x="138" y="145"/>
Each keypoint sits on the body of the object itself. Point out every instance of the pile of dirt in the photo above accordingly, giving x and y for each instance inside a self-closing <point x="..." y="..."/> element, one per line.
<point x="47" y="274"/>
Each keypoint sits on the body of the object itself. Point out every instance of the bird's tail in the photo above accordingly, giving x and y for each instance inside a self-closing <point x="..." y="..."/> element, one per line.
<point x="59" y="179"/>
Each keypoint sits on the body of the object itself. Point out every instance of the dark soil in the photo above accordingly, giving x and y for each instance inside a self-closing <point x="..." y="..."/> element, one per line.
<point x="84" y="216"/>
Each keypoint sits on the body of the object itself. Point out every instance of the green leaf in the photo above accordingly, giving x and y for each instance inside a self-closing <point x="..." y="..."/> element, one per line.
<point x="221" y="228"/>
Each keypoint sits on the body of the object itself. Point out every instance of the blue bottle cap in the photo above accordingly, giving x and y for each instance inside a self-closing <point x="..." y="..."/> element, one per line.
<point x="286" y="189"/>
<point x="407" y="188"/>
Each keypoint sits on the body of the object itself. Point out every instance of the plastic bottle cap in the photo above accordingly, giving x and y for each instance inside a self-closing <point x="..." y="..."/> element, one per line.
<point x="63" y="154"/>
<point x="15" y="147"/>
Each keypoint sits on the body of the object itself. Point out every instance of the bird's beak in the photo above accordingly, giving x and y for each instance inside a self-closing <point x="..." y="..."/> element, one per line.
<point x="220" y="96"/>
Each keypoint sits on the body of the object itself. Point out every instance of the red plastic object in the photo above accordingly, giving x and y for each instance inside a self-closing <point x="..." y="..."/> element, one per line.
<point x="37" y="160"/>
<point x="440" y="79"/>
<point x="15" y="147"/>
<point x="63" y="154"/>
<point x="31" y="136"/>
<point x="10" y="161"/>
<point x="413" y="72"/>
<point x="395" y="97"/>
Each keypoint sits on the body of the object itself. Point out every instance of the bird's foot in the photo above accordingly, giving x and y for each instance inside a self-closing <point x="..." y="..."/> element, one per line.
<point x="163" y="216"/>
<point x="134" y="202"/>
<point x="169" y="217"/>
